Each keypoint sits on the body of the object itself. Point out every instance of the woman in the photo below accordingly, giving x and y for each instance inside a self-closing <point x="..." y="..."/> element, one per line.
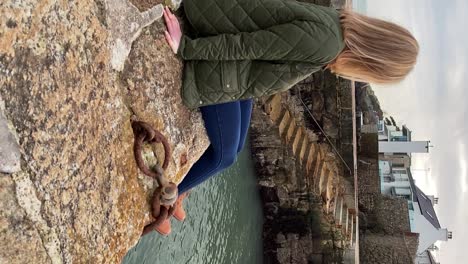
<point x="250" y="48"/>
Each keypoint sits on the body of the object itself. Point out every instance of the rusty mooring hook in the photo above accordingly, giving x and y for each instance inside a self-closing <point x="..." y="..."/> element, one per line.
<point x="165" y="195"/>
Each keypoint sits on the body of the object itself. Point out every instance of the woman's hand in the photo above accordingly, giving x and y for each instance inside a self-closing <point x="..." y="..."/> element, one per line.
<point x="173" y="33"/>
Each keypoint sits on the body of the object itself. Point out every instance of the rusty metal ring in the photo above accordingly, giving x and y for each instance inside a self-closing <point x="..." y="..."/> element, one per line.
<point x="154" y="136"/>
<point x="144" y="133"/>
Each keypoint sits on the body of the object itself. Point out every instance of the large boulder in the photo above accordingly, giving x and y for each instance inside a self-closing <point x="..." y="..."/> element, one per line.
<point x="69" y="94"/>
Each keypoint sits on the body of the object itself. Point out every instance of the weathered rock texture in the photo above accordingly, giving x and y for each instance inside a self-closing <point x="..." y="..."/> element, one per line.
<point x="22" y="237"/>
<point x="309" y="204"/>
<point x="400" y="249"/>
<point x="329" y="100"/>
<point x="368" y="104"/>
<point x="9" y="150"/>
<point x="126" y="22"/>
<point x="293" y="230"/>
<point x="79" y="197"/>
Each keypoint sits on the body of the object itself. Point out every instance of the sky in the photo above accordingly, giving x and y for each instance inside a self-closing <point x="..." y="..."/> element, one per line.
<point x="431" y="102"/>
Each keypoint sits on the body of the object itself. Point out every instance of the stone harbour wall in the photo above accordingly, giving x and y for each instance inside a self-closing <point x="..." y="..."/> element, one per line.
<point x="385" y="215"/>
<point x="399" y="249"/>
<point x="287" y="229"/>
<point x="304" y="192"/>
<point x="329" y="100"/>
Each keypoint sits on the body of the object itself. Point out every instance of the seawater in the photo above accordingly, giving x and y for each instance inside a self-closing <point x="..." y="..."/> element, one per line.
<point x="223" y="225"/>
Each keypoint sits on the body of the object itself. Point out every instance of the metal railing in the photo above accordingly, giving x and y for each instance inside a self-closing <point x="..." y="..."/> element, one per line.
<point x="325" y="134"/>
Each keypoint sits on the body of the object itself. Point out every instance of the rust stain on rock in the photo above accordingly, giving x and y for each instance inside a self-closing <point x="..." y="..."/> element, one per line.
<point x="183" y="159"/>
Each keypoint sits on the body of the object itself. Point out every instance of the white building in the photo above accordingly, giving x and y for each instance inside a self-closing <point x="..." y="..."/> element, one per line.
<point x="393" y="139"/>
<point x="426" y="222"/>
<point x="398" y="182"/>
<point x="404" y="147"/>
<point x="395" y="149"/>
<point x="394" y="180"/>
<point x="426" y="258"/>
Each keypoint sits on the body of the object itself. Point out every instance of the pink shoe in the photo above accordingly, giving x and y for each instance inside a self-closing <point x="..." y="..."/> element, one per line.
<point x="179" y="212"/>
<point x="164" y="228"/>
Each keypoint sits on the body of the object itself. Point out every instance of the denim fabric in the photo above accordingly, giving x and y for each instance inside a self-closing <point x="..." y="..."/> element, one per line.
<point x="227" y="125"/>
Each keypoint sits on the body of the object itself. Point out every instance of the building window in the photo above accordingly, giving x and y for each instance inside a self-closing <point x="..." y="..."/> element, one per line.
<point x="388" y="179"/>
<point x="400" y="139"/>
<point x="399" y="171"/>
<point x="402" y="192"/>
<point x="401" y="179"/>
<point x="398" y="165"/>
<point x="406" y="197"/>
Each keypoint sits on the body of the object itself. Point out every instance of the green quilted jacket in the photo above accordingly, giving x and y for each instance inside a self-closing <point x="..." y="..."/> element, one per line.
<point x="253" y="48"/>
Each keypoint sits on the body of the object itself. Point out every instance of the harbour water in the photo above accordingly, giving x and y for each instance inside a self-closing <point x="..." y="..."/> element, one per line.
<point x="223" y="225"/>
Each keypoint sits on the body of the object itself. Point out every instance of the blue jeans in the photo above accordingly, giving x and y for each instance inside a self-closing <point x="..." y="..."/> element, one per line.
<point x="227" y="125"/>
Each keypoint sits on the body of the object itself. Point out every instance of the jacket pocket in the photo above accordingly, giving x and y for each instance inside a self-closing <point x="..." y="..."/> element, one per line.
<point x="274" y="66"/>
<point x="230" y="77"/>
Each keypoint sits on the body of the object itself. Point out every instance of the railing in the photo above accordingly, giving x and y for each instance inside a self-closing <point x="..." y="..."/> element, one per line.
<point x="353" y="94"/>
<point x="335" y="150"/>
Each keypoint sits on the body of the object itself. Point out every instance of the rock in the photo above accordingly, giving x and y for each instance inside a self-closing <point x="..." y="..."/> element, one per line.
<point x="318" y="102"/>
<point x="283" y="194"/>
<point x="269" y="194"/>
<point x="330" y="127"/>
<point x="79" y="197"/>
<point x="287" y="230"/>
<point x="268" y="184"/>
<point x="144" y="5"/>
<point x="125" y="23"/>
<point x="368" y="104"/>
<point x="280" y="238"/>
<point x="19" y="237"/>
<point x="331" y="105"/>
<point x="9" y="150"/>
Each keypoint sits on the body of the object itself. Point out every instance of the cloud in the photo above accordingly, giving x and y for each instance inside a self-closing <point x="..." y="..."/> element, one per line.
<point x="407" y="99"/>
<point x="423" y="173"/>
<point x="463" y="167"/>
<point x="432" y="103"/>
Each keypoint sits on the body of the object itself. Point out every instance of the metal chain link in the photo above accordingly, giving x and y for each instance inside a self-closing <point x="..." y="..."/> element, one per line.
<point x="165" y="195"/>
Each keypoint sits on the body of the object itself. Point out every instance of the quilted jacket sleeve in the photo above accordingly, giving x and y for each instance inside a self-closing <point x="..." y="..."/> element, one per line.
<point x="295" y="41"/>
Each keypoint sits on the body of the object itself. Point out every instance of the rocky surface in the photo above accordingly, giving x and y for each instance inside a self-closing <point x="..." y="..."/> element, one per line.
<point x="368" y="103"/>
<point x="295" y="228"/>
<point x="125" y="22"/>
<point x="399" y="249"/>
<point x="288" y="226"/>
<point x="329" y="101"/>
<point x="9" y="150"/>
<point x="21" y="241"/>
<point x="79" y="197"/>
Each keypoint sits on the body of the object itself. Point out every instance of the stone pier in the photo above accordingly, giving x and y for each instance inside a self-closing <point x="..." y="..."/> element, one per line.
<point x="320" y="171"/>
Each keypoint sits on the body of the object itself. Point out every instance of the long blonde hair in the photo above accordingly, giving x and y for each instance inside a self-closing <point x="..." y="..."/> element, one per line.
<point x="375" y="51"/>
